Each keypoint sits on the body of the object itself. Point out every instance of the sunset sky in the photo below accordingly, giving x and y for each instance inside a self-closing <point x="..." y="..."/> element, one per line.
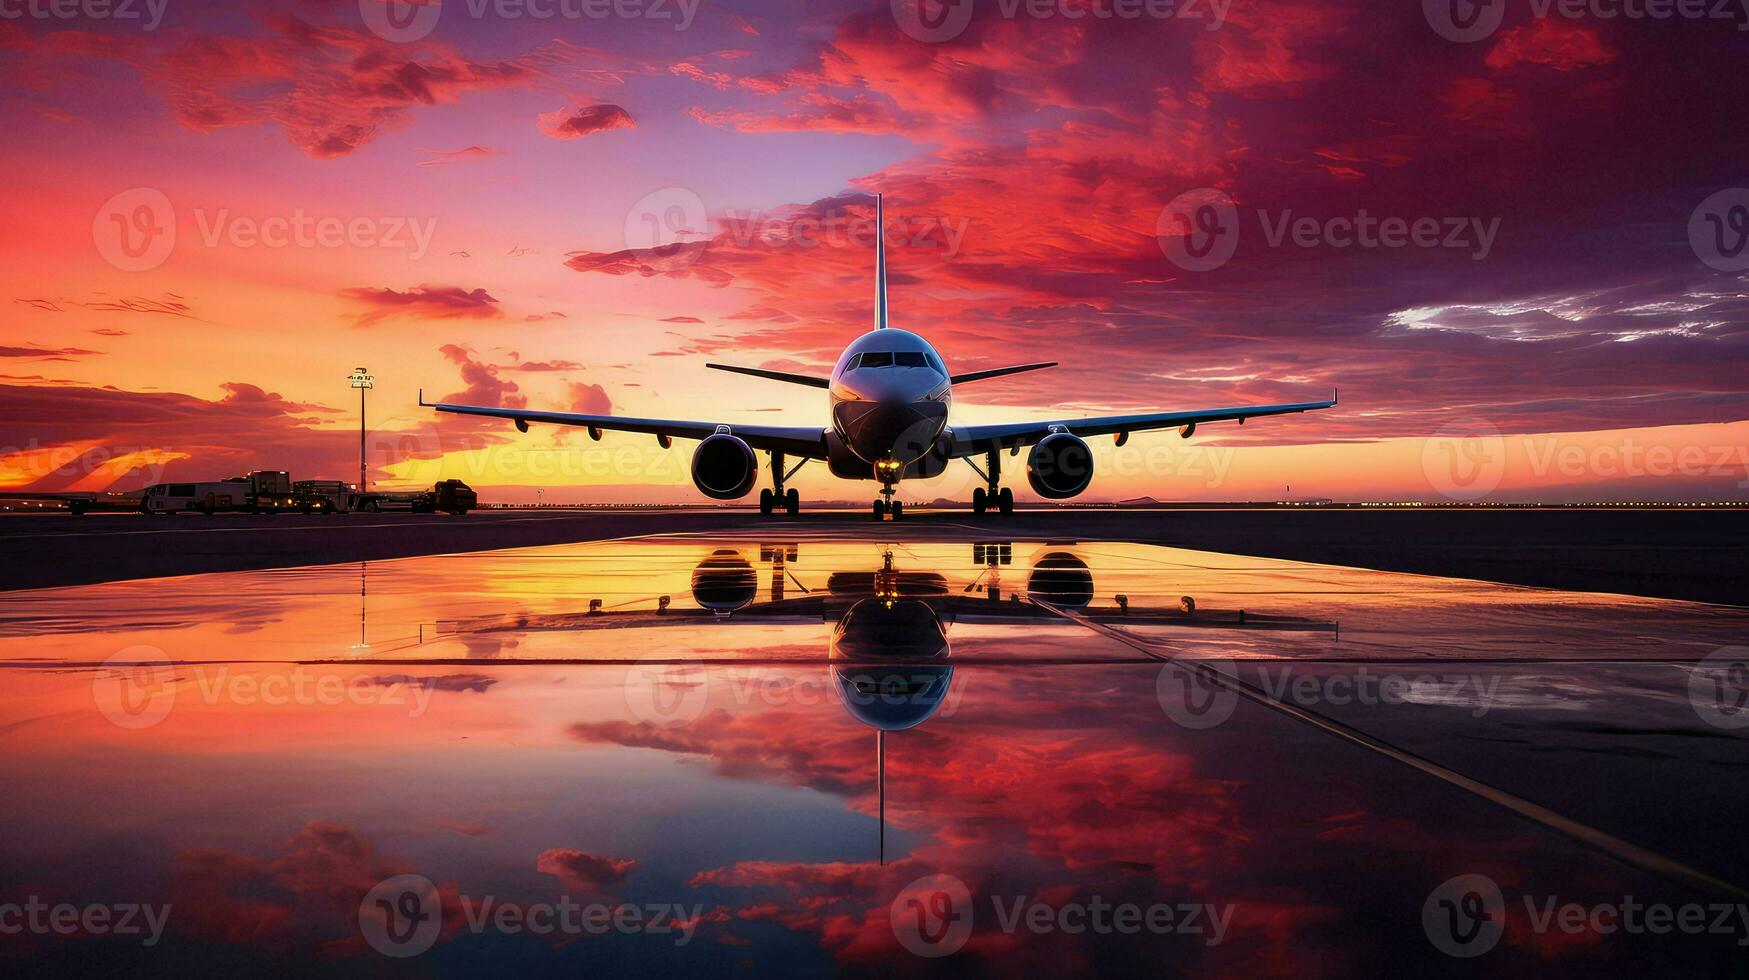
<point x="215" y="216"/>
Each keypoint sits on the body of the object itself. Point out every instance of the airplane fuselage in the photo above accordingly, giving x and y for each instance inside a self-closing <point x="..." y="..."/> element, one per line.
<point x="889" y="398"/>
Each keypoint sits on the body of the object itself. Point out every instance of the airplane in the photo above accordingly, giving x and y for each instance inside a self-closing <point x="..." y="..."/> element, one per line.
<point x="888" y="399"/>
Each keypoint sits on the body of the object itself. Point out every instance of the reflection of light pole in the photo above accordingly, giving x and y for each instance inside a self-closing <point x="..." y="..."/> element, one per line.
<point x="361" y="646"/>
<point x="363" y="382"/>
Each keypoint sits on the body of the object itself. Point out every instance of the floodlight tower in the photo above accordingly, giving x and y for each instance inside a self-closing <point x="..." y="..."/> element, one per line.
<point x="363" y="381"/>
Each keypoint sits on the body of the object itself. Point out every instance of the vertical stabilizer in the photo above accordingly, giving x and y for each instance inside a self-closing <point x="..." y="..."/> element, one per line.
<point x="880" y="265"/>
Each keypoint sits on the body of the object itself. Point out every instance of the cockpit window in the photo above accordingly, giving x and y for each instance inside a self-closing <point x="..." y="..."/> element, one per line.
<point x="935" y="362"/>
<point x="904" y="358"/>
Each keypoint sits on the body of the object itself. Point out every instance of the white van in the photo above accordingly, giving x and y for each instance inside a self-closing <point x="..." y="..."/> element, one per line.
<point x="201" y="498"/>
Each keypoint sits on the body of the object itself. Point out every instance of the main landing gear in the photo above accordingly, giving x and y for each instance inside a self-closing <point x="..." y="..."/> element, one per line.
<point x="788" y="500"/>
<point x="995" y="498"/>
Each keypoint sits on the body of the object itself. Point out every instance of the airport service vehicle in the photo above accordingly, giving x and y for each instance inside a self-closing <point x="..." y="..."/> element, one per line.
<point x="887" y="399"/>
<point x="261" y="492"/>
<point x="450" y="496"/>
<point x="324" y="497"/>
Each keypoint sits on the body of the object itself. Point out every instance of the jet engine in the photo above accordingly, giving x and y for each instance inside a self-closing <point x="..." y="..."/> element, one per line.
<point x="724" y="582"/>
<point x="723" y="467"/>
<point x="1060" y="466"/>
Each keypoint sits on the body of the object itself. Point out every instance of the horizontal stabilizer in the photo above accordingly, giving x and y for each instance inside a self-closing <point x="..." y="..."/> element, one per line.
<point x="794" y="379"/>
<point x="1001" y="372"/>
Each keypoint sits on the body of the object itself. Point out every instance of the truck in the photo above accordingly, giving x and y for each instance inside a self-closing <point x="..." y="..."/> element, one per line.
<point x="324" y="497"/>
<point x="451" y="496"/>
<point x="260" y="492"/>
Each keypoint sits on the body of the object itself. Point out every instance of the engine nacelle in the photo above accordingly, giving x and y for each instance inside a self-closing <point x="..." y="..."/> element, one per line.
<point x="1060" y="466"/>
<point x="723" y="467"/>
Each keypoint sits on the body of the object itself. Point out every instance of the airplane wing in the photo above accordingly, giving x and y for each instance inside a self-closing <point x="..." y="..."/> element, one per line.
<point x="800" y="441"/>
<point x="970" y="440"/>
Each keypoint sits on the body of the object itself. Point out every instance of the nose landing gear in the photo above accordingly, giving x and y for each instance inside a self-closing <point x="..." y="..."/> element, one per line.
<point x="887" y="505"/>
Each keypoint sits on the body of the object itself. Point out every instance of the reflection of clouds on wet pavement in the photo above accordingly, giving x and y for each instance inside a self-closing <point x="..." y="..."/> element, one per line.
<point x="1048" y="772"/>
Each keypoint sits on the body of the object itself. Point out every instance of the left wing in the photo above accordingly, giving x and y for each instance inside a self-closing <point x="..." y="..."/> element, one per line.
<point x="800" y="441"/>
<point x="970" y="440"/>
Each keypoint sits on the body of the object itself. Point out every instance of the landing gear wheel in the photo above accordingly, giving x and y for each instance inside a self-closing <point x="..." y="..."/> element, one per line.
<point x="1005" y="500"/>
<point x="792" y="502"/>
<point x="765" y="502"/>
<point x="880" y="509"/>
<point x="898" y="509"/>
<point x="978" y="500"/>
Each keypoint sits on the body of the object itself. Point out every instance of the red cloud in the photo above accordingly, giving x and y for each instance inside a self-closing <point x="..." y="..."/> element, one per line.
<point x="588" y="399"/>
<point x="484" y="387"/>
<point x="584" y="871"/>
<point x="426" y="301"/>
<point x="570" y="124"/>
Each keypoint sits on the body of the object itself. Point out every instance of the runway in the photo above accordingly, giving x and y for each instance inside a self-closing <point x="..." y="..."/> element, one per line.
<point x="790" y="751"/>
<point x="1671" y="554"/>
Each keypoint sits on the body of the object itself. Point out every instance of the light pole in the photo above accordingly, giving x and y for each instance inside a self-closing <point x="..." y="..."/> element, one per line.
<point x="363" y="382"/>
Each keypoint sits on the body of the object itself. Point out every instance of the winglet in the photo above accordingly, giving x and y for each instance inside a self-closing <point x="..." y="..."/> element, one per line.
<point x="1335" y="394"/>
<point x="880" y="264"/>
<point x="422" y="403"/>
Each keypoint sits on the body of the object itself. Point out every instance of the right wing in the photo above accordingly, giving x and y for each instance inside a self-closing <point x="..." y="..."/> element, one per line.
<point x="799" y="441"/>
<point x="971" y="440"/>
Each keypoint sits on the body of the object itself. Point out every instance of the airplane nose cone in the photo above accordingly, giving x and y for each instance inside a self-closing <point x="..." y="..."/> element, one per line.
<point x="900" y="429"/>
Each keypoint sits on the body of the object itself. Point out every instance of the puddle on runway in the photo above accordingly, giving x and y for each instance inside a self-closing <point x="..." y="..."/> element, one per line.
<point x="842" y="755"/>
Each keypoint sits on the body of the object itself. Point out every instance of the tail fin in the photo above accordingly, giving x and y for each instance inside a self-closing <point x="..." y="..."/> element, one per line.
<point x="880" y="265"/>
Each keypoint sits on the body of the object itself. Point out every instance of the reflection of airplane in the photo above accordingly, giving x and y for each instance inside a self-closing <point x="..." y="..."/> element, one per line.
<point x="889" y="625"/>
<point x="889" y="651"/>
<point x="888" y="399"/>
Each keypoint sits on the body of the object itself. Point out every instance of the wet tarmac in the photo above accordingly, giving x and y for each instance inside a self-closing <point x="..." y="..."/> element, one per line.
<point x="792" y="754"/>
